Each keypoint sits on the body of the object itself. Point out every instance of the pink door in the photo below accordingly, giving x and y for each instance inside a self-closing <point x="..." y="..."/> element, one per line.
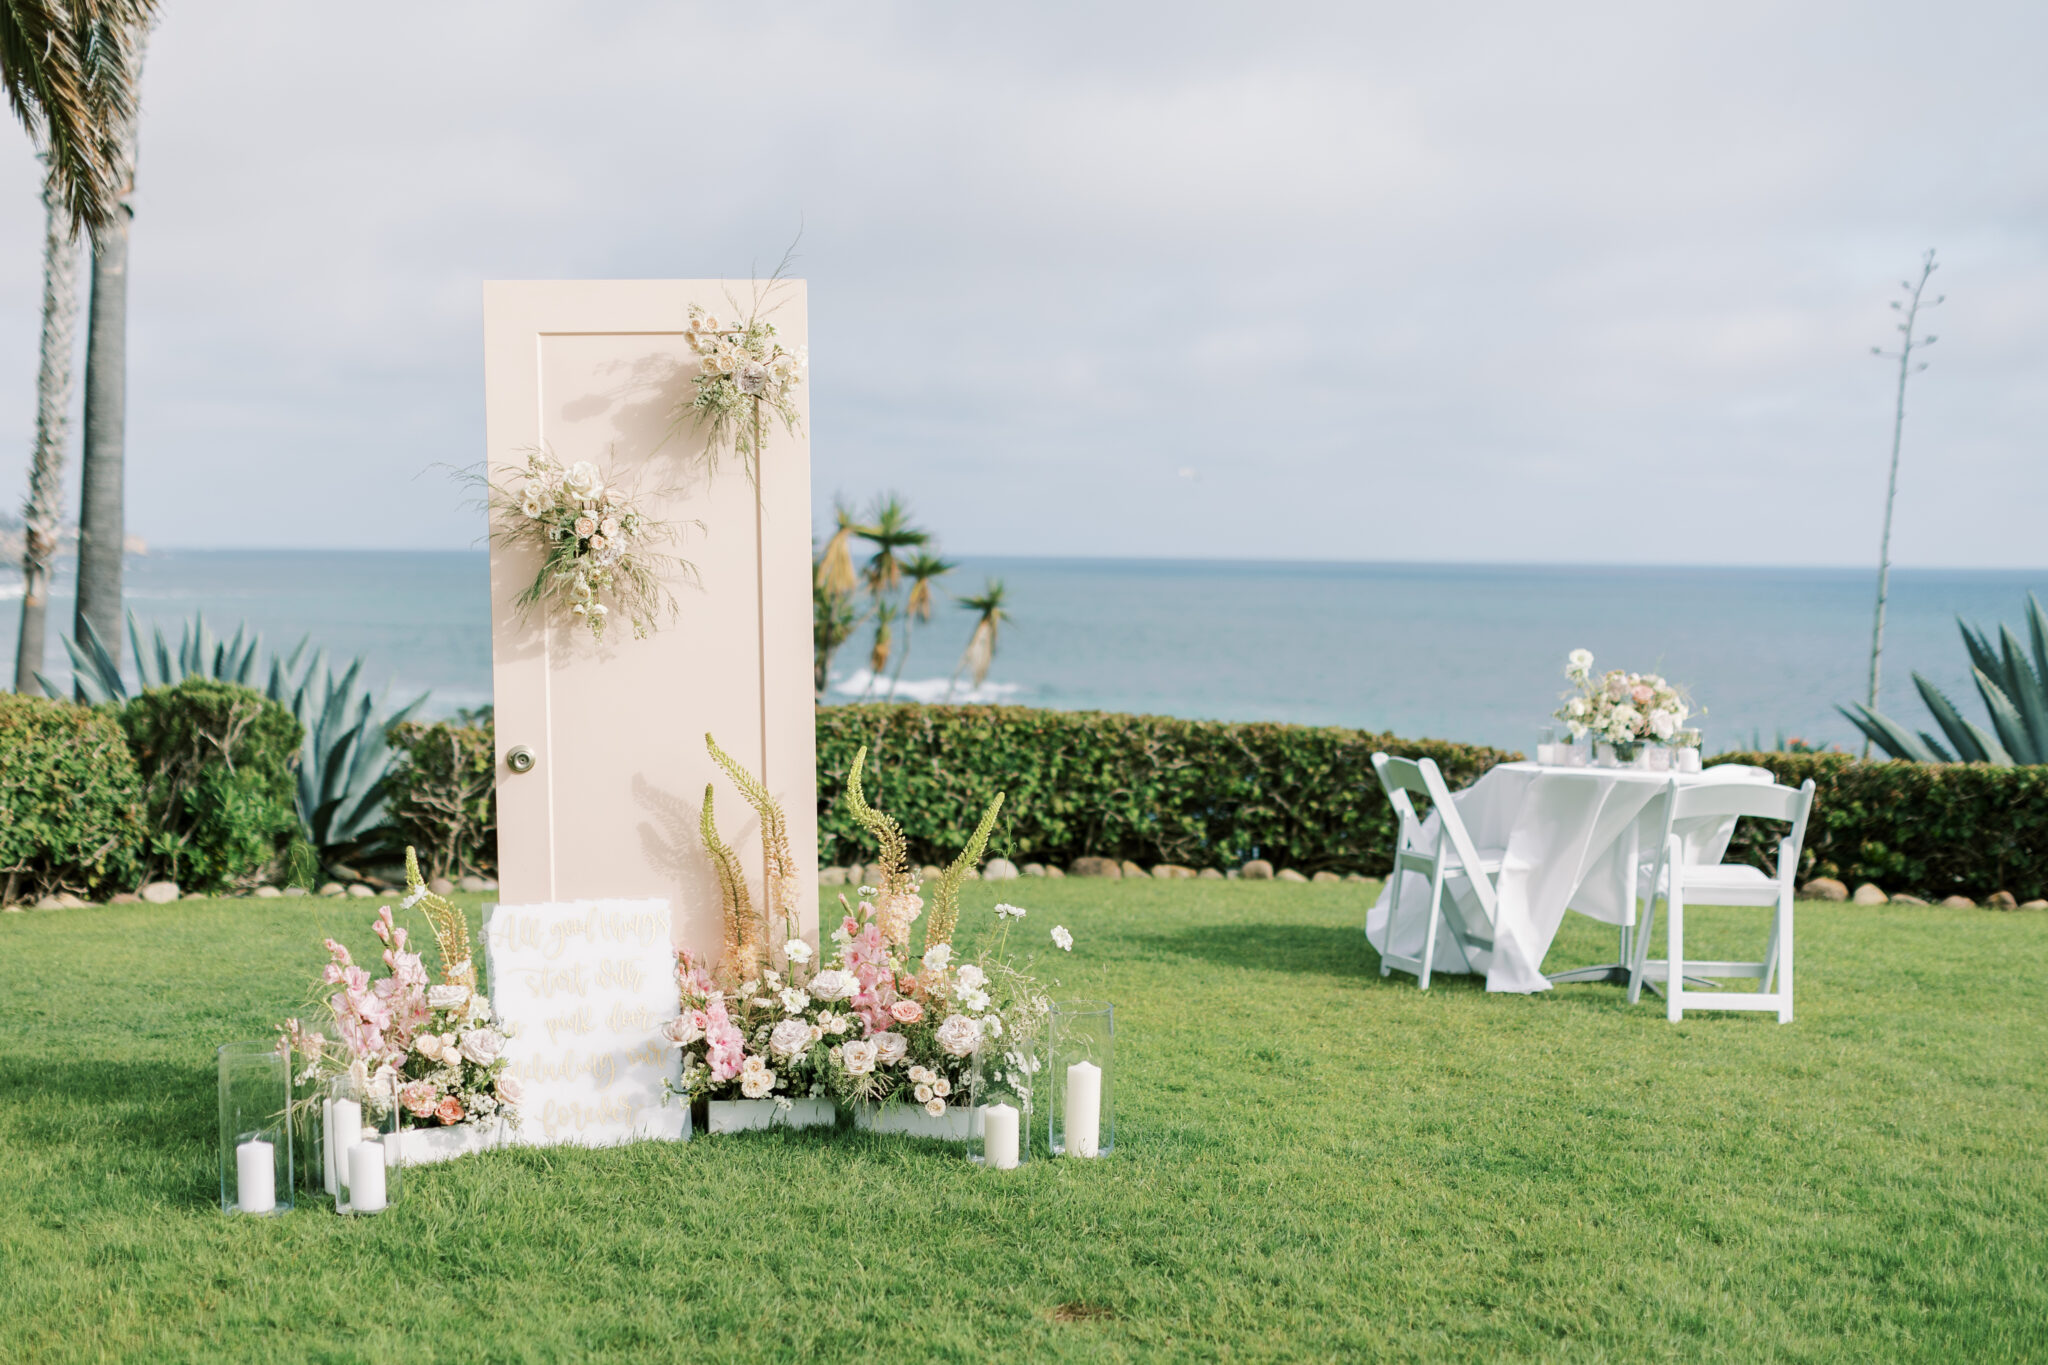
<point x="592" y="370"/>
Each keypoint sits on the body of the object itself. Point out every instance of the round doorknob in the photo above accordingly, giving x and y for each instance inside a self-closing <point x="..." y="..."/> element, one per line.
<point x="520" y="760"/>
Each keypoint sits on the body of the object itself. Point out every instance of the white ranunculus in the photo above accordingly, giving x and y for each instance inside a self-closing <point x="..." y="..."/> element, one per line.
<point x="833" y="984"/>
<point x="959" y="1035"/>
<point x="858" y="1057"/>
<point x="790" y="1037"/>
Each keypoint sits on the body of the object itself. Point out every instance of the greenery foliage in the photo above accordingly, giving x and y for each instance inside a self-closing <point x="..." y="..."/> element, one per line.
<point x="1150" y="788"/>
<point x="1932" y="829"/>
<point x="441" y="795"/>
<point x="344" y="759"/>
<point x="2015" y="693"/>
<point x="70" y="800"/>
<point x="216" y="760"/>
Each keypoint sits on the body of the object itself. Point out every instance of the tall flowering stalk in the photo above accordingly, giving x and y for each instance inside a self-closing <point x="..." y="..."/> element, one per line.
<point x="743" y="939"/>
<point x="945" y="916"/>
<point x="781" y="895"/>
<point x="898" y="903"/>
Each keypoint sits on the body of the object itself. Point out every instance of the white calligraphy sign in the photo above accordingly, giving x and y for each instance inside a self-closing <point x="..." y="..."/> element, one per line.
<point x="585" y="986"/>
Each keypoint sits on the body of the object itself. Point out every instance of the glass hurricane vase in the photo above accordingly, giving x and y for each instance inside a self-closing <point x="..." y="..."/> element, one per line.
<point x="1080" y="1074"/>
<point x="359" y="1147"/>
<point x="255" y="1129"/>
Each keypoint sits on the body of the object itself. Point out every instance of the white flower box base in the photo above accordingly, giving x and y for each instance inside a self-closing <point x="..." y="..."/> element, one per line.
<point x="957" y="1124"/>
<point x="745" y="1116"/>
<point x="429" y="1146"/>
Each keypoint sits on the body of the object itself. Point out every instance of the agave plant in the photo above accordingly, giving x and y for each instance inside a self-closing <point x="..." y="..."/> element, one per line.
<point x="345" y="758"/>
<point x="2015" y="693"/>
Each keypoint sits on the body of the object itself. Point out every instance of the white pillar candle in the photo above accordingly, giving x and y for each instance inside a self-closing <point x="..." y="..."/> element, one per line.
<point x="327" y="1176"/>
<point x="999" y="1136"/>
<point x="255" y="1176"/>
<point x="366" y="1177"/>
<point x="346" y="1124"/>
<point x="1082" y="1127"/>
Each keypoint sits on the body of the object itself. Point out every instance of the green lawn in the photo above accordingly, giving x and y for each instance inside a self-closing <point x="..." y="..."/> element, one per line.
<point x="1312" y="1163"/>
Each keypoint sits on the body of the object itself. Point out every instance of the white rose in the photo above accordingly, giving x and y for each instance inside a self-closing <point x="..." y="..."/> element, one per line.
<point x="510" y="1089"/>
<point x="682" y="1030"/>
<point x="959" y="1035"/>
<point x="756" y="1084"/>
<point x="446" y="997"/>
<point x="923" y="1093"/>
<point x="890" y="1048"/>
<point x="858" y="1057"/>
<point x="481" y="1046"/>
<point x="942" y="1087"/>
<point x="935" y="1107"/>
<point x="790" y="1037"/>
<point x="833" y="984"/>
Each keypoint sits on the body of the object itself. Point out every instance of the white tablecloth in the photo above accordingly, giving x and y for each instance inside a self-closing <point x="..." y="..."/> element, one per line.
<point x="1572" y="837"/>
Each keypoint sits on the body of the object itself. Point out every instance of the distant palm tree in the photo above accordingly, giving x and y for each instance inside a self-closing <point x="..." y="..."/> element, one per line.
<point x="922" y="569"/>
<point x="834" y="572"/>
<point x="833" y="621"/>
<point x="890" y="530"/>
<point x="981" y="646"/>
<point x="43" y="514"/>
<point x="886" y="613"/>
<point x="69" y="68"/>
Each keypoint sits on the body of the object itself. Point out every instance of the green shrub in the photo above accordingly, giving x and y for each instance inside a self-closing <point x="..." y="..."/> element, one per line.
<point x="217" y="763"/>
<point x="441" y="795"/>
<point x="1933" y="829"/>
<point x="1149" y="788"/>
<point x="70" y="800"/>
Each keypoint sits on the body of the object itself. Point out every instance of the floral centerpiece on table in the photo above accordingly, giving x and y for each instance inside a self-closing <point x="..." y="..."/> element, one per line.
<point x="599" y="553"/>
<point x="1624" y="709"/>
<point x="743" y="372"/>
<point x="434" y="1048"/>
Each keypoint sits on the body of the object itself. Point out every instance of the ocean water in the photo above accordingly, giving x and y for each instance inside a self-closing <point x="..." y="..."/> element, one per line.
<point x="1467" y="652"/>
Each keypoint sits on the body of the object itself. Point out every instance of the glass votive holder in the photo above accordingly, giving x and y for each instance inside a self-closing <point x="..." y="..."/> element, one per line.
<point x="359" y="1146"/>
<point x="1004" y="1072"/>
<point x="1603" y="756"/>
<point x="1658" y="758"/>
<point x="255" y="1129"/>
<point x="1546" y="746"/>
<point x="1080" y="1074"/>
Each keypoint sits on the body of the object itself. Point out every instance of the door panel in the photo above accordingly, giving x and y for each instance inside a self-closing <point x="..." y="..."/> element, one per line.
<point x="591" y="370"/>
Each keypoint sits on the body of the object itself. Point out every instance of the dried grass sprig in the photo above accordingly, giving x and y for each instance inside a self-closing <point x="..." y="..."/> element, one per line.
<point x="742" y="934"/>
<point x="450" y="925"/>
<point x="783" y="889"/>
<point x="888" y="835"/>
<point x="945" y="909"/>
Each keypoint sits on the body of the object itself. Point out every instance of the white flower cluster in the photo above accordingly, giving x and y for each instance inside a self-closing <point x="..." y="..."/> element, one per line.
<point x="588" y="533"/>
<point x="1622" y="708"/>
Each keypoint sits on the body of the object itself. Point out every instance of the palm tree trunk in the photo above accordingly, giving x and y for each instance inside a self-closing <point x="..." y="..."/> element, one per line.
<point x="101" y="525"/>
<point x="43" y="512"/>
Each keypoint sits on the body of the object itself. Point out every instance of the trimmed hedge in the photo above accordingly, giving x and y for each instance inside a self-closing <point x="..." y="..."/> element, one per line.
<point x="70" y="800"/>
<point x="217" y="763"/>
<point x="1932" y="829"/>
<point x="1149" y="788"/>
<point x="442" y="798"/>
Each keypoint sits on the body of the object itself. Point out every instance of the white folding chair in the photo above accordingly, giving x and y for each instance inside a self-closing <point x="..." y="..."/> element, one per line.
<point x="1449" y="860"/>
<point x="1678" y="881"/>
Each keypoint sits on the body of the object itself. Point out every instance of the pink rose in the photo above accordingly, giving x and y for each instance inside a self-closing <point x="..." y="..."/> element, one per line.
<point x="1642" y="695"/>
<point x="509" y="1088"/>
<point x="449" y="1110"/>
<point x="906" y="1011"/>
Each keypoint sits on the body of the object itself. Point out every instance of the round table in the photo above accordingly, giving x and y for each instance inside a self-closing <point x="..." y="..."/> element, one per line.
<point x="1569" y="839"/>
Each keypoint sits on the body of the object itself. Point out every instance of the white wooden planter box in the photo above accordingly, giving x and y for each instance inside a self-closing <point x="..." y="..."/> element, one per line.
<point x="957" y="1124"/>
<point x="429" y="1146"/>
<point x="745" y="1116"/>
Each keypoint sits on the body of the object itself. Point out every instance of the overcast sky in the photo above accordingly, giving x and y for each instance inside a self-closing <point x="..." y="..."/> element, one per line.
<point x="1269" y="280"/>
